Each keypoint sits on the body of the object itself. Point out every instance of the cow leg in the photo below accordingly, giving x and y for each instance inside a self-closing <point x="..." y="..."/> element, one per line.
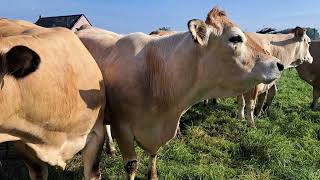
<point x="260" y="102"/>
<point x="38" y="170"/>
<point x="250" y="104"/>
<point x="316" y="95"/>
<point x="214" y="102"/>
<point x="152" y="168"/>
<point x="125" y="140"/>
<point x="206" y="102"/>
<point x="179" y="133"/>
<point x="241" y="105"/>
<point x="91" y="154"/>
<point x="110" y="145"/>
<point x="271" y="93"/>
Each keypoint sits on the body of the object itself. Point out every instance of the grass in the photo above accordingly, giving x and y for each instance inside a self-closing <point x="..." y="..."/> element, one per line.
<point x="215" y="145"/>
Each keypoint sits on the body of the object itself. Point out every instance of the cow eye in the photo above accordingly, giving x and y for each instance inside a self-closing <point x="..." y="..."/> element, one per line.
<point x="236" y="39"/>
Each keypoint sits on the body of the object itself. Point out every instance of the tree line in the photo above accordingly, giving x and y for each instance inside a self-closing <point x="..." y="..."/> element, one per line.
<point x="313" y="33"/>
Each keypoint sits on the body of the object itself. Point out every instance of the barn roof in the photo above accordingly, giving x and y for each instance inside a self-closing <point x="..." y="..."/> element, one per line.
<point x="59" y="21"/>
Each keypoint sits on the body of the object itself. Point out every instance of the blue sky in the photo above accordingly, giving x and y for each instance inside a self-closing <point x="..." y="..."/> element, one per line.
<point x="124" y="16"/>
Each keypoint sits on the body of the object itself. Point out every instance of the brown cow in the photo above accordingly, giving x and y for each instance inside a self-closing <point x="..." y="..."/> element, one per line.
<point x="52" y="98"/>
<point x="152" y="81"/>
<point x="292" y="49"/>
<point x="311" y="72"/>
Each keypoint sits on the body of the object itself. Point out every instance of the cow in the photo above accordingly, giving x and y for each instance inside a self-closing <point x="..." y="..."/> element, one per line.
<point x="94" y="40"/>
<point x="292" y="49"/>
<point x="151" y="81"/>
<point x="259" y="94"/>
<point x="52" y="98"/>
<point x="310" y="72"/>
<point x="98" y="35"/>
<point x="90" y="36"/>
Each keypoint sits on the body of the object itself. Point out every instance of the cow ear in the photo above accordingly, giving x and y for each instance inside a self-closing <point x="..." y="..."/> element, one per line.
<point x="21" y="61"/>
<point x="200" y="31"/>
<point x="299" y="32"/>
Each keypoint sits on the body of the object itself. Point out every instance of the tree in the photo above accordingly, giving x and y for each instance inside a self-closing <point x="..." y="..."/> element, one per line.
<point x="313" y="33"/>
<point x="266" y="30"/>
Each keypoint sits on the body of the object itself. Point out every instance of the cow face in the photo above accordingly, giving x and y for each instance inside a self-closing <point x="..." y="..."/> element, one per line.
<point x="231" y="54"/>
<point x="19" y="62"/>
<point x="301" y="44"/>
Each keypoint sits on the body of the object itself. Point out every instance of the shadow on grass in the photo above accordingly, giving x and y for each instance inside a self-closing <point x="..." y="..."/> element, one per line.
<point x="16" y="170"/>
<point x="198" y="114"/>
<point x="58" y="174"/>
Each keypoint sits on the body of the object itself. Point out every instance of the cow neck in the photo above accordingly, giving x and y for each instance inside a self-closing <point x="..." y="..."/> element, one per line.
<point x="176" y="82"/>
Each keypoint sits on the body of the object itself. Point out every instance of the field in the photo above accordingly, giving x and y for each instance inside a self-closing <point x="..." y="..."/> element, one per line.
<point x="215" y="145"/>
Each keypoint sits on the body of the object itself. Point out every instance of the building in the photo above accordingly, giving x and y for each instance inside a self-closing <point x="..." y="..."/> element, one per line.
<point x="71" y="22"/>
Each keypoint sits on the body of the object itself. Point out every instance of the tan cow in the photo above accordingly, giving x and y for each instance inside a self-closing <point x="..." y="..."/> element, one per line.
<point x="151" y="81"/>
<point x="52" y="98"/>
<point x="94" y="40"/>
<point x="292" y="49"/>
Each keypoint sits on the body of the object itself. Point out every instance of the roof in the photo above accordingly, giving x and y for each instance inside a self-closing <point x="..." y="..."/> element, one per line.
<point x="59" y="21"/>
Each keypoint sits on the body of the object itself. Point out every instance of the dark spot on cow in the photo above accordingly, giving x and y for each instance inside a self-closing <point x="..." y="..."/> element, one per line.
<point x="236" y="39"/>
<point x="21" y="61"/>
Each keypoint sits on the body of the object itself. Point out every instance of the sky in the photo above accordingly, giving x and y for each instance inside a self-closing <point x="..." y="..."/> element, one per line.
<point x="125" y="16"/>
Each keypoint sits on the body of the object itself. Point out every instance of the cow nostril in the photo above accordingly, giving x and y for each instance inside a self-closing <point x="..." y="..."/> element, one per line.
<point x="280" y="66"/>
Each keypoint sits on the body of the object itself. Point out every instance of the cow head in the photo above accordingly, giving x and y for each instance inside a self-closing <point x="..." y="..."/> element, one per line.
<point x="230" y="54"/>
<point x="301" y="45"/>
<point x="19" y="62"/>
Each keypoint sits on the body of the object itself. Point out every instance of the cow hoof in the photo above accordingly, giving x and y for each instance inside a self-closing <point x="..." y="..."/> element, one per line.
<point x="131" y="168"/>
<point x="97" y="176"/>
<point x="265" y="108"/>
<point x="179" y="133"/>
<point x="130" y="177"/>
<point x="112" y="153"/>
<point x="240" y="118"/>
<point x="214" y="102"/>
<point x="313" y="107"/>
<point x="318" y="135"/>
<point x="257" y="113"/>
<point x="206" y="103"/>
<point x="251" y="126"/>
<point x="152" y="176"/>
